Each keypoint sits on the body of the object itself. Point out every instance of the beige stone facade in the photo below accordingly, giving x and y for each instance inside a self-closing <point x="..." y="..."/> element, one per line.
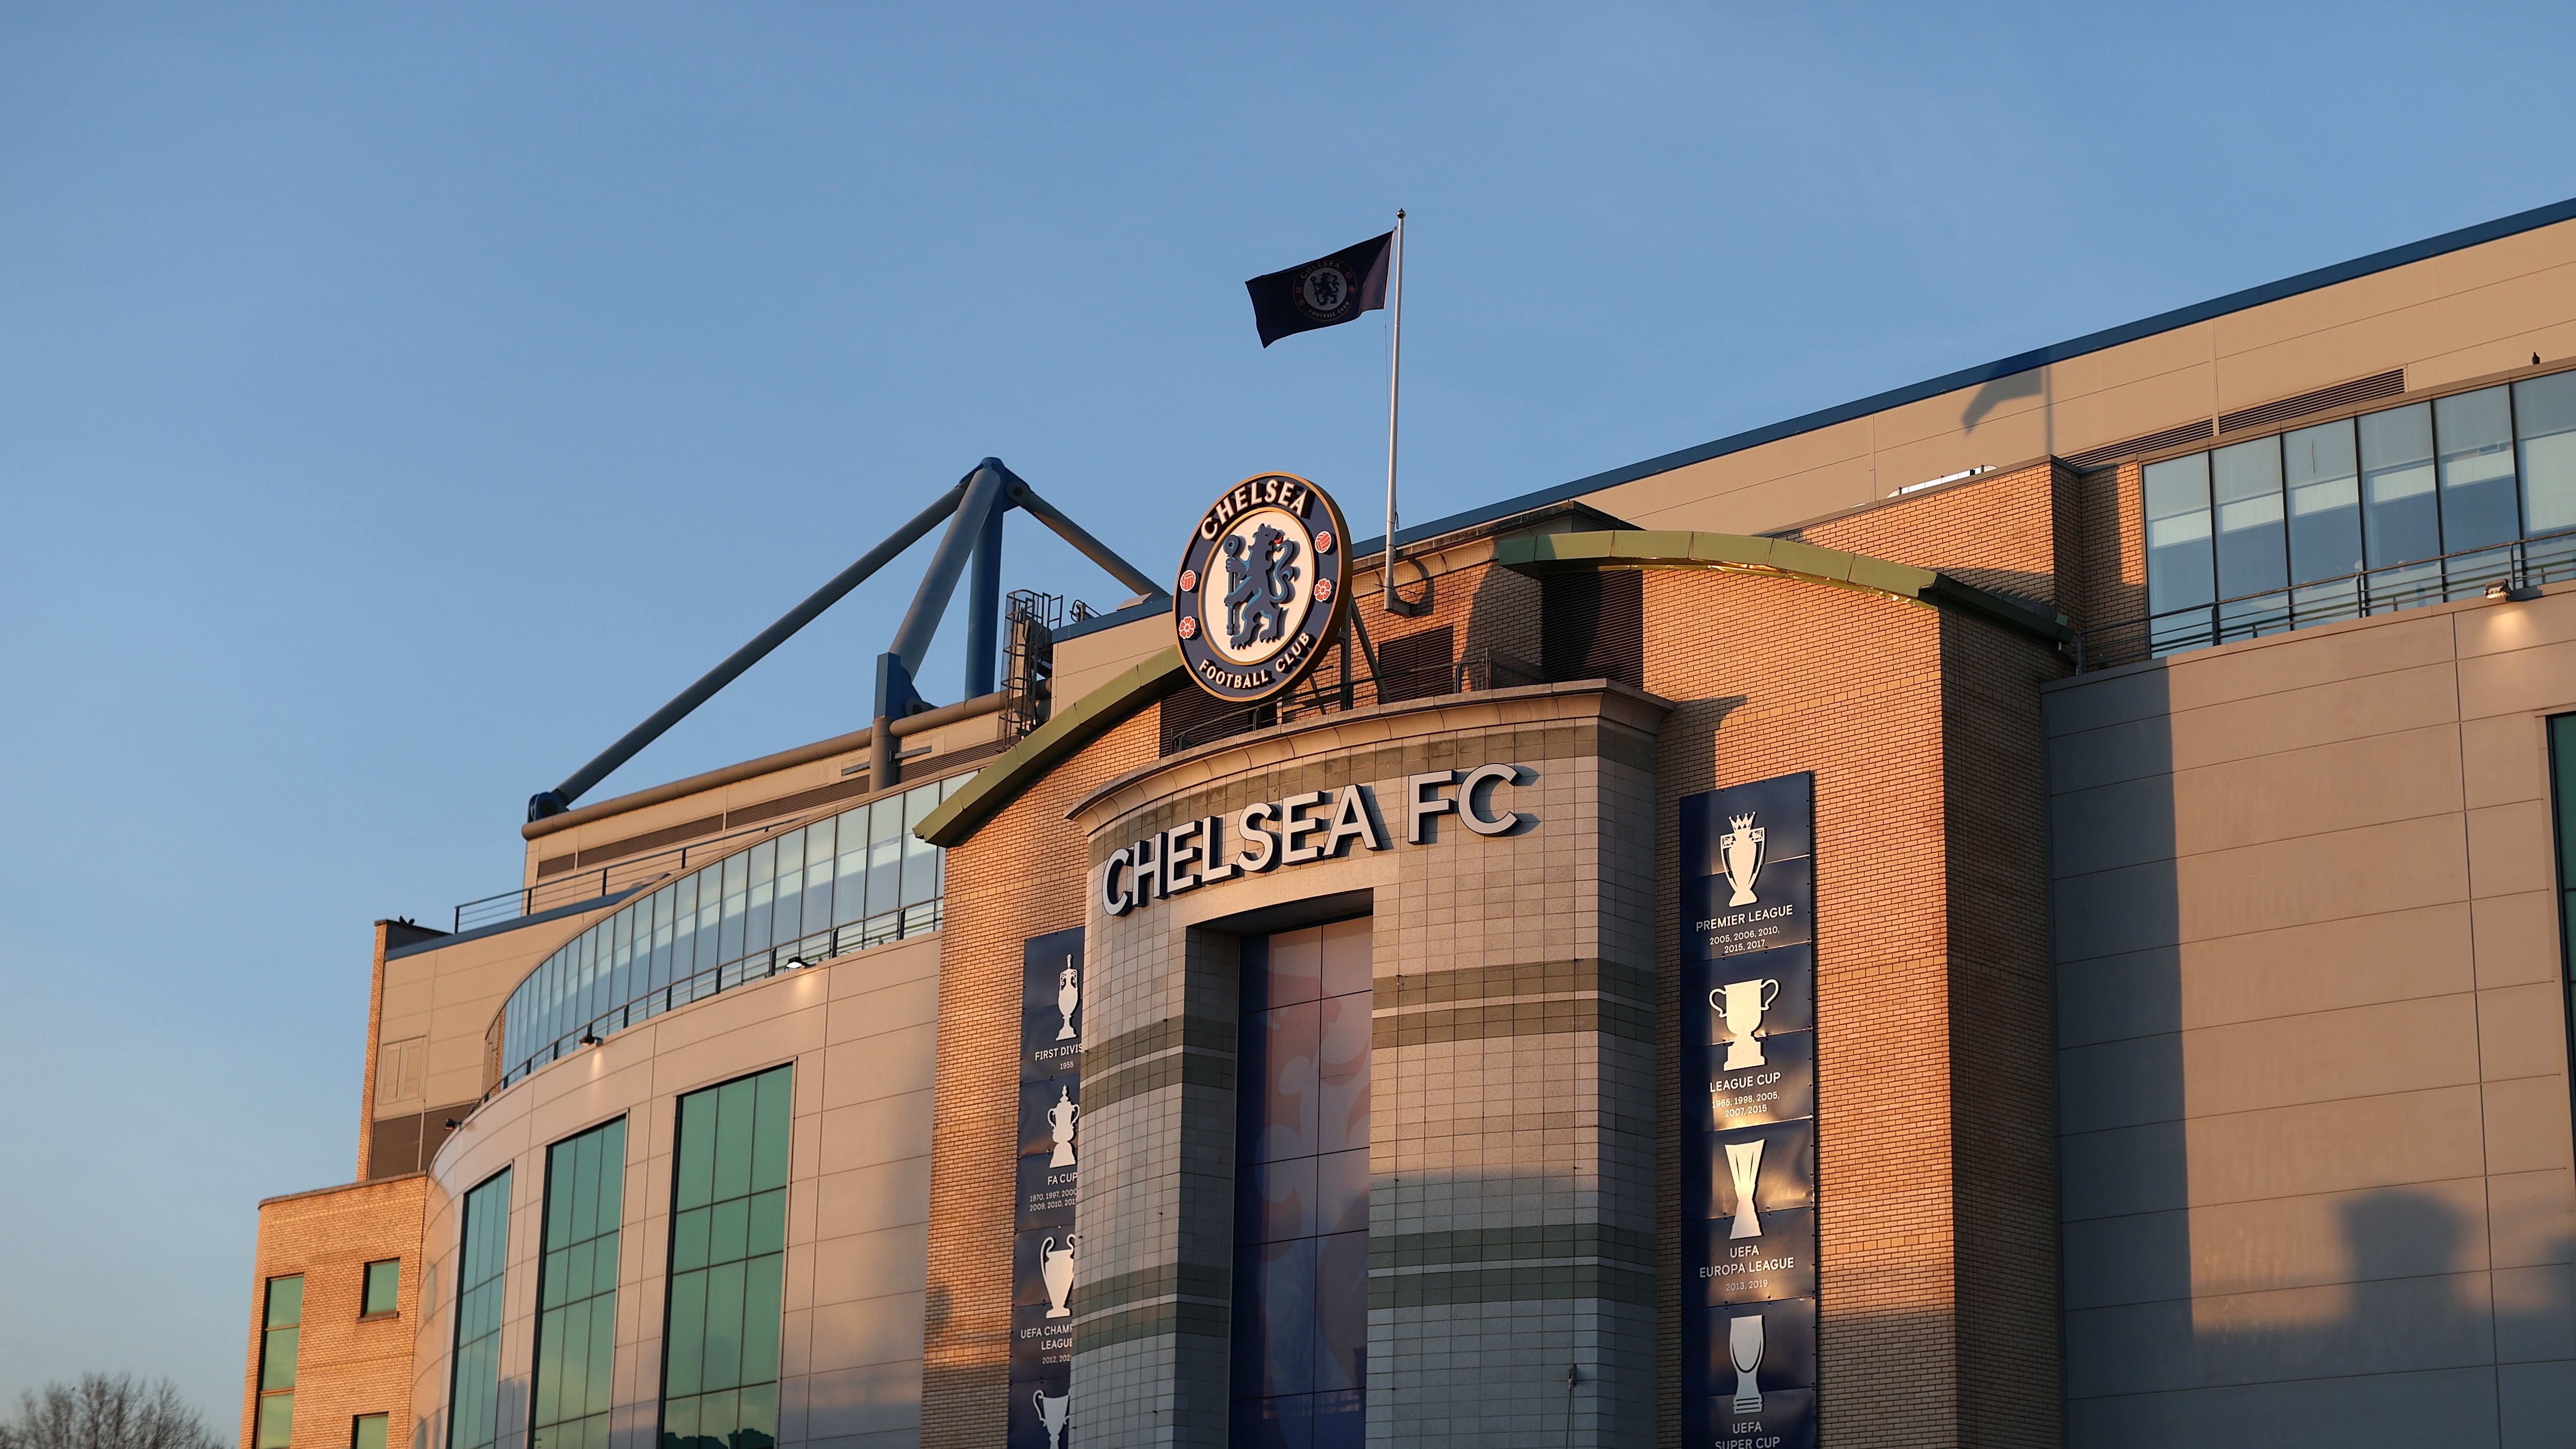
<point x="2191" y="1033"/>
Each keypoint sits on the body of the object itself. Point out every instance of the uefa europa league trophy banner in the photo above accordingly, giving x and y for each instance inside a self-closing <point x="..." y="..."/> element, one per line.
<point x="1748" y="1080"/>
<point x="1045" y="1247"/>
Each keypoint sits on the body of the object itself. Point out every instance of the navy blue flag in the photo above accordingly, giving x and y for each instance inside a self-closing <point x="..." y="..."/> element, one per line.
<point x="1325" y="292"/>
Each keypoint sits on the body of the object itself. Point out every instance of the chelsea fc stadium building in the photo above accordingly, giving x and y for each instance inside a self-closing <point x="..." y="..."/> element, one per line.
<point x="2025" y="909"/>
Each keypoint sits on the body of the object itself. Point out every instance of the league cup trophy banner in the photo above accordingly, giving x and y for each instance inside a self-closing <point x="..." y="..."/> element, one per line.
<point x="1748" y="941"/>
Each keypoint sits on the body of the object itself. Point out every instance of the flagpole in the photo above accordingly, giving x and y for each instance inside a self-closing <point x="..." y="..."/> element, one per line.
<point x="1394" y="392"/>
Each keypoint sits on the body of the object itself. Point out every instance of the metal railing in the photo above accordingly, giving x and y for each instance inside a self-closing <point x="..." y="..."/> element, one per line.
<point x="2495" y="569"/>
<point x="591" y="885"/>
<point x="1486" y="669"/>
<point x="813" y="950"/>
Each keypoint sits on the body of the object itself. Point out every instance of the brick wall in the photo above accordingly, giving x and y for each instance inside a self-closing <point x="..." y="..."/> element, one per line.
<point x="344" y="1367"/>
<point x="1020" y="876"/>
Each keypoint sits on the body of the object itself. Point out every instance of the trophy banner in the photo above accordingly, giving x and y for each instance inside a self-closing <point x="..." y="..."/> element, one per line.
<point x="1045" y="1251"/>
<point x="1782" y="1088"/>
<point x="1717" y="1007"/>
<point x="1782" y="1340"/>
<point x="1779" y="1263"/>
<point x="1786" y="1178"/>
<point x="1747" y="1078"/>
<point x="1786" y="1420"/>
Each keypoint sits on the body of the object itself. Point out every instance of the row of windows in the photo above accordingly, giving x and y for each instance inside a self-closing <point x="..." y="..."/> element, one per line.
<point x="2389" y="510"/>
<point x="728" y="1246"/>
<point x="857" y="879"/>
<point x="280" y="1340"/>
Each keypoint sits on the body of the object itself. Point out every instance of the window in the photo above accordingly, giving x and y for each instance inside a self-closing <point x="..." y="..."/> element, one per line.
<point x="1302" y="1189"/>
<point x="853" y="880"/>
<point x="280" y="1327"/>
<point x="474" y="1394"/>
<point x="2388" y="510"/>
<point x="384" y="1289"/>
<point x="2562" y="770"/>
<point x="367" y="1431"/>
<point x="728" y="1245"/>
<point x="577" y="1289"/>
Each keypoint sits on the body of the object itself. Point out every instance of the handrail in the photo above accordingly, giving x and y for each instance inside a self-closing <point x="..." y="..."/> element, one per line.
<point x="567" y="889"/>
<point x="2499" y="568"/>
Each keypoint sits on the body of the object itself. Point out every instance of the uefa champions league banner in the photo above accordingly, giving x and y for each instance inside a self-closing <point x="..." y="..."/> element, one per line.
<point x="1044" y="1245"/>
<point x="1748" y="1093"/>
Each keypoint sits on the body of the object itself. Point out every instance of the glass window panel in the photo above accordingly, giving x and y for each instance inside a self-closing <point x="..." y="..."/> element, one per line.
<point x="737" y="889"/>
<point x="729" y="1231"/>
<point x="684" y="1356"/>
<point x="850" y="880"/>
<point x="368" y="1432"/>
<point x="885" y="879"/>
<point x="277" y="1359"/>
<point x="1342" y="1192"/>
<point x="818" y="896"/>
<point x="2181" y="567"/>
<point x="734" y="1103"/>
<point x="759" y="1423"/>
<point x="1275" y="1200"/>
<point x="768" y="1223"/>
<point x="1342" y="1072"/>
<point x="383" y="1292"/>
<point x="773" y="1102"/>
<point x="1341" y="1311"/>
<point x="2253" y="555"/>
<point x="724" y="1326"/>
<point x="697" y="1150"/>
<point x="473" y="1392"/>
<point x="679" y="1423"/>
<point x="760" y="1310"/>
<point x="689" y="1239"/>
<point x="276" y="1422"/>
<point x="787" y="908"/>
<point x="2480" y="505"/>
<point x="2322" y="472"/>
<point x="2544" y="416"/>
<point x="285" y="1301"/>
<point x="1286" y="1039"/>
<point x="2401" y="515"/>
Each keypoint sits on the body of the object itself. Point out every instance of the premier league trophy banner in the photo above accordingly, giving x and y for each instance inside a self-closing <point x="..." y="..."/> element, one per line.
<point x="1045" y="1248"/>
<point x="1748" y="1080"/>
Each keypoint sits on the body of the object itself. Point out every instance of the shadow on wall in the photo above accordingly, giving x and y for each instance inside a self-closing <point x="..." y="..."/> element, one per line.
<point x="2298" y="1318"/>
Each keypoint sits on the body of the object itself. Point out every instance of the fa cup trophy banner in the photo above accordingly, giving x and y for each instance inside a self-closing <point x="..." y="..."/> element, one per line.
<point x="1046" y="1258"/>
<point x="1748" y="1081"/>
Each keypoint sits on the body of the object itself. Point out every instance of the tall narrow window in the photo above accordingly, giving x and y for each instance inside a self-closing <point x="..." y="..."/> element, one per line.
<point x="367" y="1431"/>
<point x="1302" y="1190"/>
<point x="2253" y="557"/>
<point x="2544" y="421"/>
<point x="2180" y="575"/>
<point x="281" y="1327"/>
<point x="2562" y="769"/>
<point x="2479" y="508"/>
<point x="2322" y="473"/>
<point x="474" y="1397"/>
<point x="728" y="1244"/>
<point x="577" y="1290"/>
<point x="2401" y="520"/>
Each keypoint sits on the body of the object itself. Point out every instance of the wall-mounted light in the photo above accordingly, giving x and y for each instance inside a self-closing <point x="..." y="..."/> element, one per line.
<point x="2517" y="593"/>
<point x="794" y="963"/>
<point x="590" y="1038"/>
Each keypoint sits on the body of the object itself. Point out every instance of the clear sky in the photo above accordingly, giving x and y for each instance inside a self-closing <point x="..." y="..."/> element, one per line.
<point x="398" y="403"/>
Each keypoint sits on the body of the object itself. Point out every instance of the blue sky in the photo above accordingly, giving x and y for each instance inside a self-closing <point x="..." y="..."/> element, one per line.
<point x="396" y="404"/>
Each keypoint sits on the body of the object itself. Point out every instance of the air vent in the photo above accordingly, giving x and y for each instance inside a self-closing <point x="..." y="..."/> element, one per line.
<point x="2342" y="394"/>
<point x="2110" y="453"/>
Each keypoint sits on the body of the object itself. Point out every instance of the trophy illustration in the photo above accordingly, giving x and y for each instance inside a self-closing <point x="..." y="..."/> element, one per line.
<point x="1068" y="992"/>
<point x="1744" y="1347"/>
<point x="1741" y="1004"/>
<point x="1060" y="1122"/>
<point x="1744" y="1163"/>
<point x="1741" y="849"/>
<point x="1051" y="1414"/>
<point x="1055" y="1269"/>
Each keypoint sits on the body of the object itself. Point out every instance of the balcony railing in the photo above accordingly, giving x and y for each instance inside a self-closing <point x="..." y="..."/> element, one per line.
<point x="2497" y="570"/>
<point x="607" y="880"/>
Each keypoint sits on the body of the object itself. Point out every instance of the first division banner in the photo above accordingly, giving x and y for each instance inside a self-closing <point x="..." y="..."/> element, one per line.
<point x="1043" y="1240"/>
<point x="1748" y="1094"/>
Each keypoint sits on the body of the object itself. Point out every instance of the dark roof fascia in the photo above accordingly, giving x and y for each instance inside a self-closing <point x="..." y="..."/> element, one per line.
<point x="2380" y="261"/>
<point x="516" y="923"/>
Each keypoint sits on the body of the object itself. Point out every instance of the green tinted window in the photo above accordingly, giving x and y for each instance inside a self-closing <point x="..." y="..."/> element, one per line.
<point x="2562" y="764"/>
<point x="474" y="1396"/>
<point x="368" y="1432"/>
<point x="728" y="1240"/>
<point x="280" y="1316"/>
<point x="384" y="1288"/>
<point x="577" y="1289"/>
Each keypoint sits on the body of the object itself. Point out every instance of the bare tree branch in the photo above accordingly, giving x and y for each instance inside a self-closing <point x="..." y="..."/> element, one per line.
<point x="104" y="1412"/>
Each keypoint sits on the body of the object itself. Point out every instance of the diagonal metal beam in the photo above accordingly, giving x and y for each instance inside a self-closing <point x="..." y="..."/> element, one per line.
<point x="939" y="581"/>
<point x="1073" y="533"/>
<point x="560" y="798"/>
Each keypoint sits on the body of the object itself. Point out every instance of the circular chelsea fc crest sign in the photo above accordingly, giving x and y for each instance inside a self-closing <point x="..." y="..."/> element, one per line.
<point x="1261" y="587"/>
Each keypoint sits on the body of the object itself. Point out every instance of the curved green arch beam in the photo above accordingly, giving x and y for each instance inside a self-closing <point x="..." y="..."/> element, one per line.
<point x="1114" y="703"/>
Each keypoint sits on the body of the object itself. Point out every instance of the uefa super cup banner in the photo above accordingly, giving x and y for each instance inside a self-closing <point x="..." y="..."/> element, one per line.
<point x="1045" y="1248"/>
<point x="1748" y="1090"/>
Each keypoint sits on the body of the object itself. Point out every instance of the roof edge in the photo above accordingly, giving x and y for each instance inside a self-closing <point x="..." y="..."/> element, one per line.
<point x="1751" y="553"/>
<point x="2091" y="342"/>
